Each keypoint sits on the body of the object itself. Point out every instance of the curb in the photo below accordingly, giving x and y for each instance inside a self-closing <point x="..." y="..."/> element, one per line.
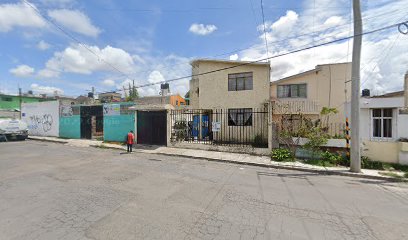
<point x="47" y="140"/>
<point x="300" y="169"/>
<point x="322" y="172"/>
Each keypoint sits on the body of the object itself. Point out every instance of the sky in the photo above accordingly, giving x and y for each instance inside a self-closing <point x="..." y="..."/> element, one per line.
<point x="69" y="46"/>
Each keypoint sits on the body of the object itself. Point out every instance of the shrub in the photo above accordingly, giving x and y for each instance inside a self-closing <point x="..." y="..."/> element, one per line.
<point x="281" y="154"/>
<point x="366" y="163"/>
<point x="332" y="158"/>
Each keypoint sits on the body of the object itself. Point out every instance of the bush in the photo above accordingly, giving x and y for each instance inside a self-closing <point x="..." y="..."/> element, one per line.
<point x="281" y="154"/>
<point x="366" y="163"/>
<point x="332" y="158"/>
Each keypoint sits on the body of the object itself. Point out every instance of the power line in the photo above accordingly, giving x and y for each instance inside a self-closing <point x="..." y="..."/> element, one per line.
<point x="128" y="76"/>
<point x="384" y="57"/>
<point x="268" y="58"/>
<point x="264" y="29"/>
<point x="121" y="73"/>
<point x="75" y="39"/>
<point x="275" y="42"/>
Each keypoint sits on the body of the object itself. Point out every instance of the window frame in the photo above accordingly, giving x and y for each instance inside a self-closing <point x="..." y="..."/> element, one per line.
<point x="247" y="84"/>
<point x="382" y="118"/>
<point x="290" y="89"/>
<point x="240" y="112"/>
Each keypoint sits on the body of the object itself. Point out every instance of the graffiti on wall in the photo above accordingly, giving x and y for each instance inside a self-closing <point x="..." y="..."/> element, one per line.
<point x="42" y="118"/>
<point x="41" y="122"/>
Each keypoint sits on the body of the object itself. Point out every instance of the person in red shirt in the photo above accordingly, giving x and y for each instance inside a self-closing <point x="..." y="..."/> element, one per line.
<point x="130" y="141"/>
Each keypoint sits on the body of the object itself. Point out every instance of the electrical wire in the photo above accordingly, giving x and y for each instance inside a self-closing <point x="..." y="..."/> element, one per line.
<point x="75" y="39"/>
<point x="264" y="29"/>
<point x="180" y="78"/>
<point x="284" y="40"/>
<point x="272" y="57"/>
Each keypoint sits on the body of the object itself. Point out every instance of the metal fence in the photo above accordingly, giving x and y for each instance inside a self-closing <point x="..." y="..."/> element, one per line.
<point x="244" y="126"/>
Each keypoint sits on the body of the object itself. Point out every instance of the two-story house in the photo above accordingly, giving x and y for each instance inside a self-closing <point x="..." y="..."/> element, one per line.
<point x="230" y="85"/>
<point x="306" y="93"/>
<point x="234" y="95"/>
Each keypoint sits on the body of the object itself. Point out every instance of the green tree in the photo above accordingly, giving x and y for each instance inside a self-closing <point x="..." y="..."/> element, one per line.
<point x="133" y="93"/>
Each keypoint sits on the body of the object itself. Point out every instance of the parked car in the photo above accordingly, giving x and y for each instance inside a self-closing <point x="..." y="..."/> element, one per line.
<point x="13" y="129"/>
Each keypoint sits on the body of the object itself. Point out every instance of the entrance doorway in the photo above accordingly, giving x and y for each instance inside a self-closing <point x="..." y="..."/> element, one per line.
<point x="91" y="121"/>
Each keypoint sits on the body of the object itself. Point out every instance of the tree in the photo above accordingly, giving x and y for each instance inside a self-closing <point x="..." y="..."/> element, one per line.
<point x="133" y="93"/>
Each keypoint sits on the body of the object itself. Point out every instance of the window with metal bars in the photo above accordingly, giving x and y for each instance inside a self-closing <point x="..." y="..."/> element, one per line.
<point x="382" y="122"/>
<point x="240" y="117"/>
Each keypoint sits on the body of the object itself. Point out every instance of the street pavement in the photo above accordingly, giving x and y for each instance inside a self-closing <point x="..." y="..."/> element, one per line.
<point x="54" y="191"/>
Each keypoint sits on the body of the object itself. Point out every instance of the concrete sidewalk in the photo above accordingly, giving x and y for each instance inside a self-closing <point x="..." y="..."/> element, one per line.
<point x="237" y="158"/>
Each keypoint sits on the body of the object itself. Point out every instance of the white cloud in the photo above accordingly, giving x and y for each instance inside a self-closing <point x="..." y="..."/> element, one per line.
<point x="47" y="73"/>
<point x="22" y="71"/>
<point x="46" y="89"/>
<point x="333" y="21"/>
<point x="78" y="59"/>
<point x="19" y="15"/>
<point x="74" y="20"/>
<point x="201" y="29"/>
<point x="285" y="23"/>
<point x="42" y="45"/>
<point x="108" y="82"/>
<point x="385" y="65"/>
<point x="234" y="57"/>
<point x="59" y="3"/>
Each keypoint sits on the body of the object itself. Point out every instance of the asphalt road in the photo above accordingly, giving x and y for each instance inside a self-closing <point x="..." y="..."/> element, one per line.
<point x="53" y="191"/>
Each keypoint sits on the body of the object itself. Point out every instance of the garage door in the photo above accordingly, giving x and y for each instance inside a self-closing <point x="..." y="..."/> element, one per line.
<point x="152" y="127"/>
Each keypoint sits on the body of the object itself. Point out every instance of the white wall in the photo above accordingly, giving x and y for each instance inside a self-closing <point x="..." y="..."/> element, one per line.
<point x="42" y="118"/>
<point x="402" y="125"/>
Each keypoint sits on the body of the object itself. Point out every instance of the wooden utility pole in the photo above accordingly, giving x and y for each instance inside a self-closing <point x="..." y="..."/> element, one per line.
<point x="355" y="163"/>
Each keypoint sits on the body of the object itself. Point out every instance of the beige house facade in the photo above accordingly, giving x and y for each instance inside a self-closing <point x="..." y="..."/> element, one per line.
<point x="233" y="84"/>
<point x="228" y="102"/>
<point x="306" y="93"/>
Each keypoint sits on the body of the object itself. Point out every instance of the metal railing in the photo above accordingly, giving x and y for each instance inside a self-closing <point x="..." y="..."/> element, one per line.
<point x="230" y="127"/>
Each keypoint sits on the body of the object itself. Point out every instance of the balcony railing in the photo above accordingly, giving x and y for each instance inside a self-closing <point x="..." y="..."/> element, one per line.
<point x="295" y="107"/>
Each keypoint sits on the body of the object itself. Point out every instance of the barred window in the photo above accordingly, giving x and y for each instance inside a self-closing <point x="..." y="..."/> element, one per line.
<point x="292" y="91"/>
<point x="240" y="117"/>
<point x="240" y="81"/>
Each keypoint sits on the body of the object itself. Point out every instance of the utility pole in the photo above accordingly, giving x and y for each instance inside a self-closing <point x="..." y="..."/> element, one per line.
<point x="355" y="160"/>
<point x="20" y="99"/>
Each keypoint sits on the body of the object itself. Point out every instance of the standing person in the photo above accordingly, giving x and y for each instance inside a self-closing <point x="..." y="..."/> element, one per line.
<point x="130" y="141"/>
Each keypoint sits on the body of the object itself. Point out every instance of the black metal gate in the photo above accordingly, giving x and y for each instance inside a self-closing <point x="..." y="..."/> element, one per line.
<point x="152" y="127"/>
